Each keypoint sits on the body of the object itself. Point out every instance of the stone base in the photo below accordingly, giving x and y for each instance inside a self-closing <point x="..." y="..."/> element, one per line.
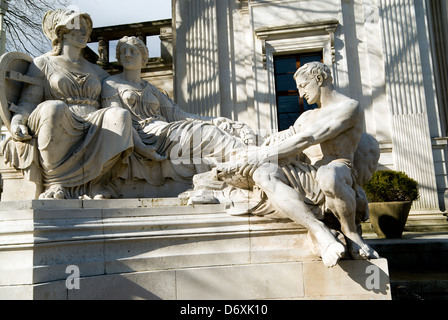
<point x="161" y="249"/>
<point x="141" y="189"/>
<point x="292" y="280"/>
<point x="16" y="188"/>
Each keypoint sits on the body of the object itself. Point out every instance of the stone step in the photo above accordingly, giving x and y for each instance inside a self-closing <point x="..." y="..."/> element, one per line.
<point x="419" y="285"/>
<point x="417" y="265"/>
<point x="131" y="234"/>
<point x="414" y="251"/>
<point x="162" y="249"/>
<point x="45" y="221"/>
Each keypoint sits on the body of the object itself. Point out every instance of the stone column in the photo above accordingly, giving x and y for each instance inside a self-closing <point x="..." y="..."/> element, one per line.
<point x="197" y="66"/>
<point x="411" y="136"/>
<point x="213" y="59"/>
<point x="438" y="20"/>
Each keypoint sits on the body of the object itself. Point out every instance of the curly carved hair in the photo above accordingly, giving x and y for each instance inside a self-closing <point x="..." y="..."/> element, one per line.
<point x="314" y="69"/>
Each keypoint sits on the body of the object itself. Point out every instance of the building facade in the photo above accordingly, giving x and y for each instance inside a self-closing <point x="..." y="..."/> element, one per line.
<point x="235" y="58"/>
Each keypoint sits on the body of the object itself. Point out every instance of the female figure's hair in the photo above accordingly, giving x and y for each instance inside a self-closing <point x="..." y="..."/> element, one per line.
<point x="56" y="23"/>
<point x="135" y="42"/>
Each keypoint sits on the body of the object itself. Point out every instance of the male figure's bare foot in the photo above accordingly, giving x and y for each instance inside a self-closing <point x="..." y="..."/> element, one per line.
<point x="332" y="254"/>
<point x="359" y="249"/>
<point x="328" y="247"/>
<point x="53" y="192"/>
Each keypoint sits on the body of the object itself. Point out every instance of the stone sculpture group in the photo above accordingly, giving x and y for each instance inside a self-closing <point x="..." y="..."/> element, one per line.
<point x="79" y="132"/>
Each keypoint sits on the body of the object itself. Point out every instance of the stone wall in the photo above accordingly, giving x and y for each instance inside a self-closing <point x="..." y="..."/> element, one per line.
<point x="382" y="53"/>
<point x="161" y="249"/>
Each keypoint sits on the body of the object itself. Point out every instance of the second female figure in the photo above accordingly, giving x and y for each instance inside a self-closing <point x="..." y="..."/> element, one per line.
<point x="192" y="143"/>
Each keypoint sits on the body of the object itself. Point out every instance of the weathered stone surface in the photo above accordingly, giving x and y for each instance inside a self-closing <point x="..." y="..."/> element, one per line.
<point x="160" y="249"/>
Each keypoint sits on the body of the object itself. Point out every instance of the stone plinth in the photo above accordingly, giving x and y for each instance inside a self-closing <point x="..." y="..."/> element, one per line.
<point x="162" y="249"/>
<point x="17" y="188"/>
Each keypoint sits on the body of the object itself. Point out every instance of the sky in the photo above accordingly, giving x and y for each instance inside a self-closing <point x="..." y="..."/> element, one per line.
<point x="115" y="12"/>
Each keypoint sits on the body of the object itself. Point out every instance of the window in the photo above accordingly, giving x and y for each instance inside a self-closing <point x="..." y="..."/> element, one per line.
<point x="278" y="42"/>
<point x="289" y="105"/>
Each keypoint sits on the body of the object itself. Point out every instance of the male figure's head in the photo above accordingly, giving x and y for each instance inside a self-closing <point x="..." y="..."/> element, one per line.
<point x="310" y="78"/>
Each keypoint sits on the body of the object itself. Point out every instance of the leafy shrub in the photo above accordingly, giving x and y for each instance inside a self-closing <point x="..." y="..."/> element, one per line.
<point x="388" y="185"/>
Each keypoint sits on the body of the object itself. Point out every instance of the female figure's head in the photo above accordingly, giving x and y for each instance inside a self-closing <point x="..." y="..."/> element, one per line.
<point x="69" y="26"/>
<point x="132" y="53"/>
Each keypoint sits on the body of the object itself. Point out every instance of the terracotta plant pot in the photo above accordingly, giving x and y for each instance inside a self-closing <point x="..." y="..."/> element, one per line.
<point x="388" y="219"/>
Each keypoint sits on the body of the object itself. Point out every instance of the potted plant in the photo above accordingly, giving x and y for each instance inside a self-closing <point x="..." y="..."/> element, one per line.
<point x="390" y="194"/>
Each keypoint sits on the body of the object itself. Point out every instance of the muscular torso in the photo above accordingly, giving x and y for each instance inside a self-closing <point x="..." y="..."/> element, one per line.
<point x="341" y="146"/>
